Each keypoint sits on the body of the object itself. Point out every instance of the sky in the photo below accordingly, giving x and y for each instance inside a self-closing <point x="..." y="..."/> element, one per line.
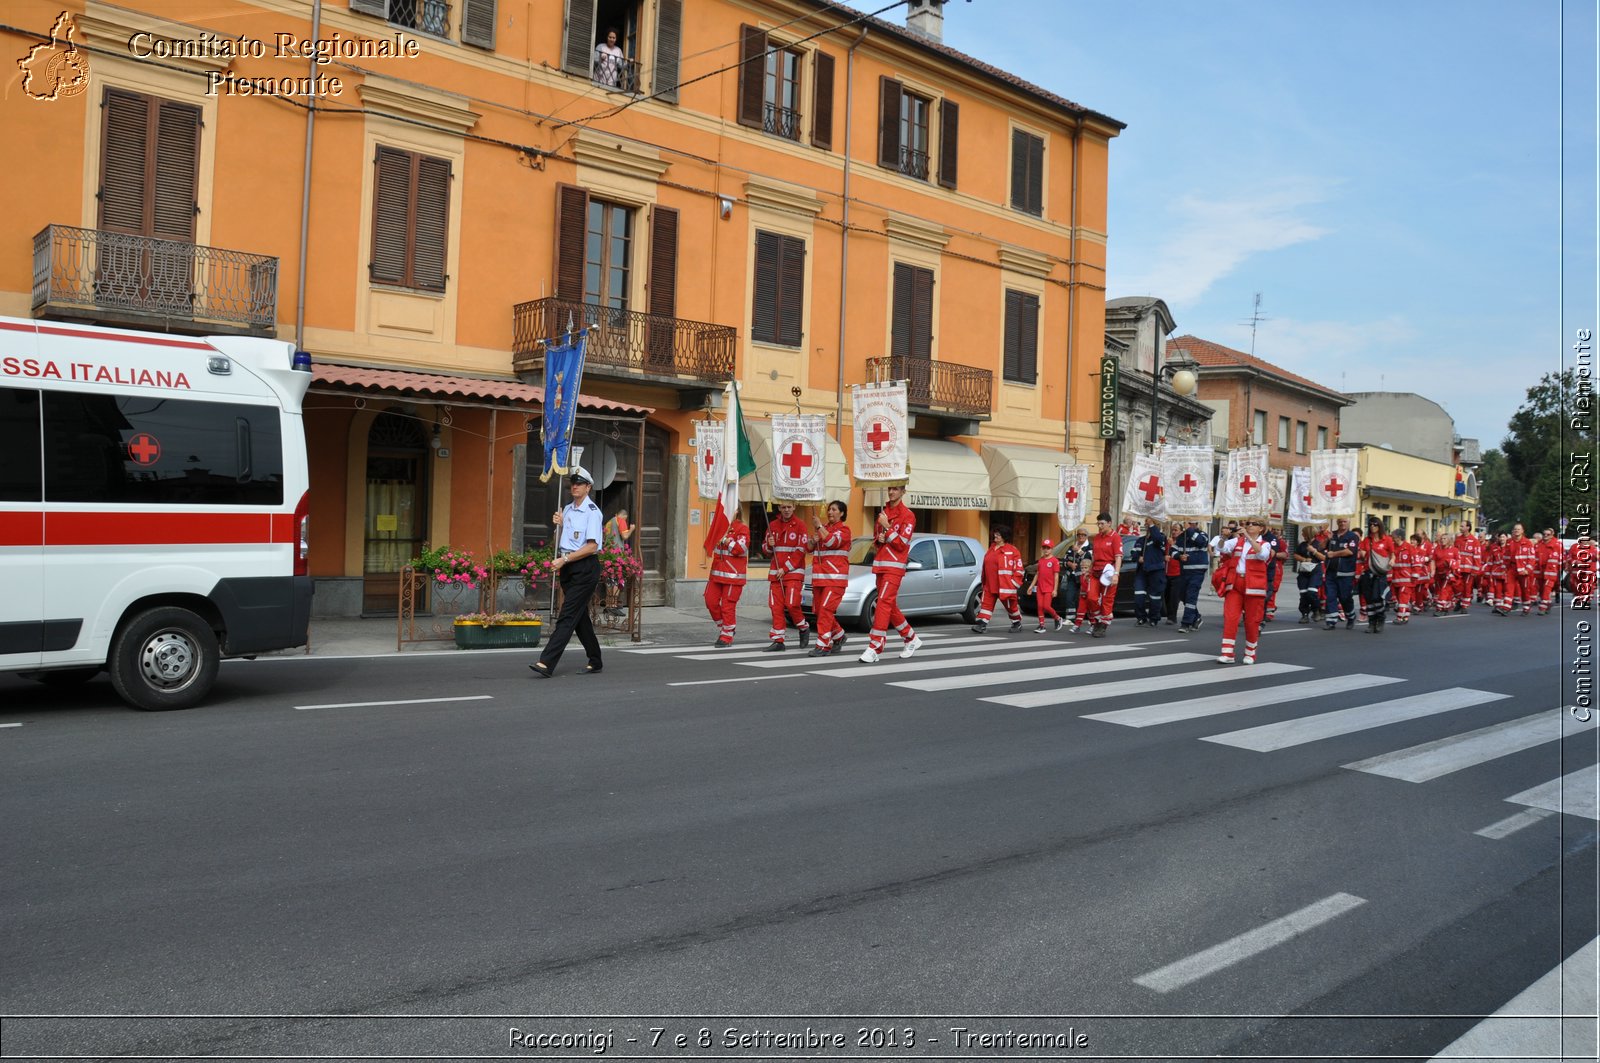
<point x="1408" y="184"/>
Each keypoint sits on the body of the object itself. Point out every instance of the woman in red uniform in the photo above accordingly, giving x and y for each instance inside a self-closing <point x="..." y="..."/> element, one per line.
<point x="830" y="572"/>
<point x="1242" y="562"/>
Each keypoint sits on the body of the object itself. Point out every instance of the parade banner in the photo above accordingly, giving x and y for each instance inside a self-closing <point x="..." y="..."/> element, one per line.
<point x="1333" y="484"/>
<point x="710" y="470"/>
<point x="880" y="432"/>
<point x="1187" y="472"/>
<point x="799" y="444"/>
<point x="1242" y="491"/>
<point x="737" y="462"/>
<point x="563" y="373"/>
<point x="1300" y="497"/>
<point x="1277" y="488"/>
<point x="1145" y="496"/>
<point x="1072" y="500"/>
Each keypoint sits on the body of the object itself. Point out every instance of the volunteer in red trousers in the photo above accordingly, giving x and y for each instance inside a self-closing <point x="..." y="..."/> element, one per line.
<point x="1522" y="572"/>
<point x="1446" y="575"/>
<point x="1494" y="572"/>
<point x="1242" y="561"/>
<point x="786" y="543"/>
<point x="1376" y="557"/>
<point x="1549" y="569"/>
<point x="1002" y="576"/>
<point x="728" y="566"/>
<point x="1469" y="567"/>
<point x="1105" y="554"/>
<point x="1402" y="577"/>
<point x="892" y="532"/>
<point x="830" y="571"/>
<point x="1045" y="579"/>
<point x="1581" y="563"/>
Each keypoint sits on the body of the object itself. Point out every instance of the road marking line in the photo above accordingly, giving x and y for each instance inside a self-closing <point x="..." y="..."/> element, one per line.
<point x="1195" y="708"/>
<point x="941" y="635"/>
<point x="1573" y="793"/>
<point x="1058" y="671"/>
<point x="1513" y="823"/>
<point x="1433" y="759"/>
<point x="739" y="679"/>
<point x="1002" y="650"/>
<point x="10" y="725"/>
<point x="1098" y="691"/>
<point x="893" y="666"/>
<point x="767" y="656"/>
<point x="1218" y="957"/>
<point x="1282" y="735"/>
<point x="1552" y="1019"/>
<point x="412" y="701"/>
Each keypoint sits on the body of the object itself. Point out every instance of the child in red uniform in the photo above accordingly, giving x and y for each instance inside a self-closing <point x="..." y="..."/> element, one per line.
<point x="1044" y="587"/>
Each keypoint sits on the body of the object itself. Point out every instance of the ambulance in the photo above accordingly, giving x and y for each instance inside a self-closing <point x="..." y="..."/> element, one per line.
<point x="153" y="506"/>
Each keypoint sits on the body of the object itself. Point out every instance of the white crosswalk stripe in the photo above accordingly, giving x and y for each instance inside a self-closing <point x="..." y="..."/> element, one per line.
<point x="1347" y="721"/>
<point x="1433" y="759"/>
<point x="977" y="644"/>
<point x="1574" y="793"/>
<point x="1216" y="704"/>
<point x="1100" y="691"/>
<point x="1059" y="671"/>
<point x="893" y="666"/>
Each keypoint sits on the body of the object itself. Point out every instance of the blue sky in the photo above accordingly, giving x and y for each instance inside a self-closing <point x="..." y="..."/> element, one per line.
<point x="1388" y="175"/>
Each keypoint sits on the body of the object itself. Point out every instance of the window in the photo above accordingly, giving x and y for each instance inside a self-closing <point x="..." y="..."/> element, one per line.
<point x="1021" y="345"/>
<point x="410" y="216"/>
<point x="143" y="449"/>
<point x="1027" y="172"/>
<point x="433" y="17"/>
<point x="1299" y="437"/>
<point x="607" y="254"/>
<point x="779" y="289"/>
<point x="1322" y="439"/>
<point x="770" y="76"/>
<point x="925" y="552"/>
<point x="1258" y="434"/>
<point x="780" y="94"/>
<point x="587" y="26"/>
<point x="957" y="554"/>
<point x="149" y="181"/>
<point x="911" y="327"/>
<point x="1283" y="433"/>
<point x="914" y="135"/>
<point x="21" y="473"/>
<point x="904" y="136"/>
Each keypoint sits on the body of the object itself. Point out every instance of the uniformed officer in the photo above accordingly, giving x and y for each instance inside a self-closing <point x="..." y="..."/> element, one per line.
<point x="1341" y="575"/>
<point x="579" y="529"/>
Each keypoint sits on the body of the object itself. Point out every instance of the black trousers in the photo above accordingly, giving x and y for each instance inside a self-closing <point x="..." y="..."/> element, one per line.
<point x="578" y="581"/>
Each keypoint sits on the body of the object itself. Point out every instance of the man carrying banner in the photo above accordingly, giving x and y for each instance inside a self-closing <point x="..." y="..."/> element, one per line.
<point x="892" y="532"/>
<point x="578" y="530"/>
<point x="786" y="543"/>
<point x="728" y="566"/>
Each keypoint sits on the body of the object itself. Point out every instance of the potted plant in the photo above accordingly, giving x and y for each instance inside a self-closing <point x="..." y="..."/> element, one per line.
<point x="492" y="631"/>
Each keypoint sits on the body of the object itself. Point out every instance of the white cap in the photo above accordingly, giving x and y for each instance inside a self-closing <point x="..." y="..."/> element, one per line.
<point x="580" y="475"/>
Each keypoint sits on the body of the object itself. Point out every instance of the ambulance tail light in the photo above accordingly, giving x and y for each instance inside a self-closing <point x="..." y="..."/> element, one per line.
<point x="302" y="536"/>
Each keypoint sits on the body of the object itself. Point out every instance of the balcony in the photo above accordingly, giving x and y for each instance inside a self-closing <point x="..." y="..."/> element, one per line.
<point x="781" y="121"/>
<point x="625" y="344"/>
<point x="144" y="282"/>
<point x="619" y="75"/>
<point x="914" y="163"/>
<point x="943" y="389"/>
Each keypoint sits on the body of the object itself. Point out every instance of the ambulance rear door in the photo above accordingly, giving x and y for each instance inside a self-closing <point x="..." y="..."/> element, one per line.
<point x="22" y="621"/>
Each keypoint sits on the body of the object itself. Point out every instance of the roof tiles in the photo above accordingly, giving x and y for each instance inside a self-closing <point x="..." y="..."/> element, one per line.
<point x="1215" y="354"/>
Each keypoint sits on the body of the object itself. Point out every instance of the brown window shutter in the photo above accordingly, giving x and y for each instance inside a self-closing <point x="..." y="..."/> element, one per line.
<point x="177" y="170"/>
<point x="572" y="214"/>
<point x="391" y="216"/>
<point x="791" y="289"/>
<point x="901" y="320"/>
<point x="663" y="261"/>
<point x="1028" y="339"/>
<point x="1019" y="169"/>
<point x="1011" y="345"/>
<point x="477" y="23"/>
<point x="577" y="38"/>
<point x="949" y="136"/>
<point x="889" y="123"/>
<point x="669" y="42"/>
<point x="1035" y="175"/>
<point x="922" y="313"/>
<point x="822" y="103"/>
<point x="764" y="312"/>
<point x="752" y="74"/>
<point x="430" y="245"/>
<point x="124" y="180"/>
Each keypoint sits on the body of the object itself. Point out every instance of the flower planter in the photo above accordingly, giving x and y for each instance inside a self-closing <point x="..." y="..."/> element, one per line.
<point x="516" y="633"/>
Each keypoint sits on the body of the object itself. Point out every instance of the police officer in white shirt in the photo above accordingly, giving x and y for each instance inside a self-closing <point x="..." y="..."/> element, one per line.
<point x="579" y="530"/>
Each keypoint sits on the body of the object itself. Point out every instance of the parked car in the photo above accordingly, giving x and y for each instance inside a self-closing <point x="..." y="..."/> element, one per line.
<point x="1124" y="603"/>
<point x="943" y="575"/>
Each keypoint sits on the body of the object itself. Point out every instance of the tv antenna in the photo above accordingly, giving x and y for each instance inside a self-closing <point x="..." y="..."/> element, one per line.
<point x="1256" y="317"/>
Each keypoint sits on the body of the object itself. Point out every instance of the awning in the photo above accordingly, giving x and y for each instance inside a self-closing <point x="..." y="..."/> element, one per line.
<point x="399" y="381"/>
<point x="758" y="488"/>
<point x="944" y="475"/>
<point x="1023" y="479"/>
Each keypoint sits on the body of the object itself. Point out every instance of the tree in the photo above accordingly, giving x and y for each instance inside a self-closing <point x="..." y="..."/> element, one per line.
<point x="1500" y="496"/>
<point x="1549" y="467"/>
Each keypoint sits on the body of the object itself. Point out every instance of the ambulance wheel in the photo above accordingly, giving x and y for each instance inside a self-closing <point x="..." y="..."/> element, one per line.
<point x="164" y="658"/>
<point x="868" y="607"/>
<point x="969" y="615"/>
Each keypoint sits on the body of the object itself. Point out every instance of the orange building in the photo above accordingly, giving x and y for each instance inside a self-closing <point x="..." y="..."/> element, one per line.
<point x="418" y="192"/>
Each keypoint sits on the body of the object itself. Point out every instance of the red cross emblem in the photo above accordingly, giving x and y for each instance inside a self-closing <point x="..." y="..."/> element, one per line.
<point x="1247" y="485"/>
<point x="710" y="460"/>
<point x="1188" y="483"/>
<point x="1333" y="487"/>
<point x="1151" y="488"/>
<point x="144" y="449"/>
<point x="1072" y="495"/>
<point x="878" y="436"/>
<point x="797" y="461"/>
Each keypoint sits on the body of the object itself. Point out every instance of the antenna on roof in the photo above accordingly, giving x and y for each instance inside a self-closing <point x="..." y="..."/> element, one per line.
<point x="1256" y="317"/>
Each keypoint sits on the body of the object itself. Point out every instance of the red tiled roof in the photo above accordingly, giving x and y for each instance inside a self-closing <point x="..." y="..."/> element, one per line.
<point x="454" y="387"/>
<point x="1207" y="353"/>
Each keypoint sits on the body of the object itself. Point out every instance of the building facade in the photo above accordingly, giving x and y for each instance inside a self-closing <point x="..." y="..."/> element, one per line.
<point x="1418" y="475"/>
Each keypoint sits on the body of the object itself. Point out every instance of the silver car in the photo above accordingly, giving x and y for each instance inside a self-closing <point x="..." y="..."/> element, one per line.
<point x="943" y="575"/>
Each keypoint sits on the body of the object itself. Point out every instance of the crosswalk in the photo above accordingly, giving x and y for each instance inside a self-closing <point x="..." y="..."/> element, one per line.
<point x="1034" y="674"/>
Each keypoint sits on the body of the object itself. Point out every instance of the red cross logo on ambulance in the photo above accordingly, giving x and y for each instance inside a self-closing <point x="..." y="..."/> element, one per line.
<point x="144" y="449"/>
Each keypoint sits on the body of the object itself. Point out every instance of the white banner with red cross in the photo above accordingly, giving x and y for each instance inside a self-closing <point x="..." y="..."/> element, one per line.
<point x="1242" y="491"/>
<point x="880" y="432"/>
<point x="1333" y="484"/>
<point x="1277" y="488"/>
<point x="1187" y="473"/>
<point x="710" y="469"/>
<point x="799" y="442"/>
<point x="1072" y="497"/>
<point x="1300" y="497"/>
<point x="1146" y="493"/>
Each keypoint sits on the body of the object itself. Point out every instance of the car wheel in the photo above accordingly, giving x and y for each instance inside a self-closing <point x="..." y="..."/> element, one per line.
<point x="868" y="607"/>
<point x="969" y="615"/>
<point x="164" y="658"/>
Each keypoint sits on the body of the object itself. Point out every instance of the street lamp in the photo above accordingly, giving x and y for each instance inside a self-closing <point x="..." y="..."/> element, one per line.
<point x="1184" y="377"/>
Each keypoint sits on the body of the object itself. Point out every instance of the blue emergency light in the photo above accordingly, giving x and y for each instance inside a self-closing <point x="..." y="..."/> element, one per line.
<point x="302" y="361"/>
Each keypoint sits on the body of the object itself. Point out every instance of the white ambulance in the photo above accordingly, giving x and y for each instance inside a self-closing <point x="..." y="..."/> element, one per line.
<point x="153" y="506"/>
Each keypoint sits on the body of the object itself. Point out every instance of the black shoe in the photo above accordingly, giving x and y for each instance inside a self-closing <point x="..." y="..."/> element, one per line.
<point x="540" y="670"/>
<point x="722" y="644"/>
<point x="805" y="637"/>
<point x="773" y="647"/>
<point x="818" y="651"/>
<point x="1098" y="631"/>
<point x="1305" y="618"/>
<point x="1349" y="625"/>
<point x="1196" y="625"/>
<point x="1016" y="625"/>
<point x="592" y="669"/>
<point x="980" y="627"/>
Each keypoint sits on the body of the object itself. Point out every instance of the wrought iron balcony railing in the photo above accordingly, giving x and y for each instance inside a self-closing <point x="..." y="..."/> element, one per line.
<point x="619" y="75"/>
<point x="914" y="163"/>
<point x="428" y="16"/>
<point x="781" y="121"/>
<point x="115" y="278"/>
<point x="938" y="387"/>
<point x="625" y="343"/>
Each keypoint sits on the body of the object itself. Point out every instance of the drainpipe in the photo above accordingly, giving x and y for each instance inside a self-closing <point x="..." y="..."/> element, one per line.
<point x="844" y="231"/>
<point x="305" y="191"/>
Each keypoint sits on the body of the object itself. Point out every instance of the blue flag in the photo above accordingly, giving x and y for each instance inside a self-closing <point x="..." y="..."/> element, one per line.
<point x="563" y="372"/>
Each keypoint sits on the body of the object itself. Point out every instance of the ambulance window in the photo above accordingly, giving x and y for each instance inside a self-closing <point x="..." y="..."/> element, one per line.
<point x="150" y="450"/>
<point x="20" y="472"/>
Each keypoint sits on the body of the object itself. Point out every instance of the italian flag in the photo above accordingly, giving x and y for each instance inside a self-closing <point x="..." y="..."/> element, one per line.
<point x="738" y="459"/>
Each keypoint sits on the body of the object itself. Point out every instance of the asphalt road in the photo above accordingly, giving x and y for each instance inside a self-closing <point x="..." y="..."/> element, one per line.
<point x="1204" y="870"/>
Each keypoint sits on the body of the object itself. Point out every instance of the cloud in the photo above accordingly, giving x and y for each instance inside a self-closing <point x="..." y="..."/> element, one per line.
<point x="1208" y="238"/>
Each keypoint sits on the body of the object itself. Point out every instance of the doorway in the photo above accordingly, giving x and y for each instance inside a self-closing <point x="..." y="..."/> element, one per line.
<point x="396" y="510"/>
